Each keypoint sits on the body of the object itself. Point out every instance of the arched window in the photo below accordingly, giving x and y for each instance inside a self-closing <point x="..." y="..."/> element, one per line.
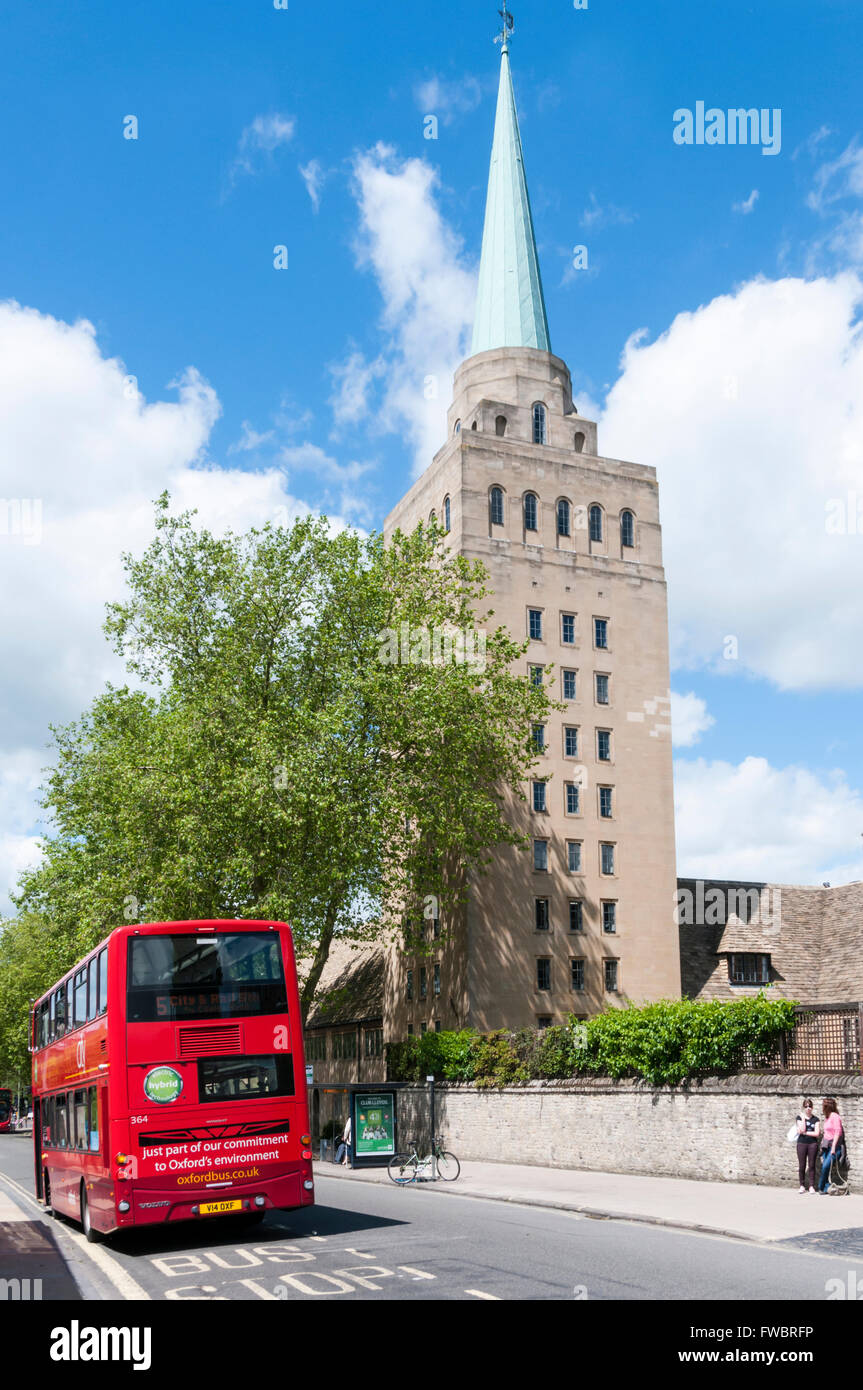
<point x="563" y="517"/>
<point x="500" y="426"/>
<point x="579" y="442"/>
<point x="474" y="426"/>
<point x="432" y="519"/>
<point x="530" y="512"/>
<point x="446" y="513"/>
<point x="627" y="528"/>
<point x="496" y="506"/>
<point x="539" y="423"/>
<point x="457" y="427"/>
<point x="595" y="519"/>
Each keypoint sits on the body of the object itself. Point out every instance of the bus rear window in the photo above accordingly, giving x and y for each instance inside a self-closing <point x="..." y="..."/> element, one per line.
<point x="220" y="975"/>
<point x="245" y="1078"/>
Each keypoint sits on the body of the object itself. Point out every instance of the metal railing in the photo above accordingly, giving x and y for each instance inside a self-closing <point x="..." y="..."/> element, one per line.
<point x="825" y="1038"/>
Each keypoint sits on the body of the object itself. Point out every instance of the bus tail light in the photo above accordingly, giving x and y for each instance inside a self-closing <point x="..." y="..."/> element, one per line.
<point x="305" y="1140"/>
<point x="121" y="1159"/>
<point x="307" y="1153"/>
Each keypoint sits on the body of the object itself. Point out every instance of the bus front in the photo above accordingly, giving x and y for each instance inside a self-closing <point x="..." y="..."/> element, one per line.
<point x="214" y="1119"/>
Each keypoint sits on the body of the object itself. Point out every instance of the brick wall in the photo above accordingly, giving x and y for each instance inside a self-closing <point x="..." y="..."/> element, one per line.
<point x="731" y="1129"/>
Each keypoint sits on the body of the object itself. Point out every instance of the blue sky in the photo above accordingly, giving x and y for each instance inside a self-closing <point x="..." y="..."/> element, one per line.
<point x="303" y="387"/>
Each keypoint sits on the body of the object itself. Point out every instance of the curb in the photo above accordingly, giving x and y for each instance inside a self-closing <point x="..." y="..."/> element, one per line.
<point x="593" y="1213"/>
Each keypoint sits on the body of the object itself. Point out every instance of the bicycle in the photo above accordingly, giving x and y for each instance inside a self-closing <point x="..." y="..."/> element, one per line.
<point x="407" y="1167"/>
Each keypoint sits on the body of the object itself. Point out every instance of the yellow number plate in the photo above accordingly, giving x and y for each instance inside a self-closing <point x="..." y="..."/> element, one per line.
<point x="213" y="1208"/>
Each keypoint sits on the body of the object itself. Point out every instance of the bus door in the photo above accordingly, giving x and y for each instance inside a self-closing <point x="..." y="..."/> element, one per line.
<point x="37" y="1145"/>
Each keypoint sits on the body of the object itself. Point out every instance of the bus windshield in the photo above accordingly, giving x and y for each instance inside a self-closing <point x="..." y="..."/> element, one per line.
<point x="220" y="975"/>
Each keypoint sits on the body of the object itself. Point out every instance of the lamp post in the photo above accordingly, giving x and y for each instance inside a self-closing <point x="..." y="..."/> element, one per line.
<point x="430" y="1080"/>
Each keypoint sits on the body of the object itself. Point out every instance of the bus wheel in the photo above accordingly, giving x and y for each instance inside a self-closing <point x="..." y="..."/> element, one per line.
<point x="91" y="1235"/>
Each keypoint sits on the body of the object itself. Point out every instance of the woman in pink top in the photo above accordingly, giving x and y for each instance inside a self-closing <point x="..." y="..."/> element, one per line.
<point x="832" y="1135"/>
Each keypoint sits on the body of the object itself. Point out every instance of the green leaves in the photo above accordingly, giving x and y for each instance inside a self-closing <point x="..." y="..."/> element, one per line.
<point x="667" y="1043"/>
<point x="273" y="765"/>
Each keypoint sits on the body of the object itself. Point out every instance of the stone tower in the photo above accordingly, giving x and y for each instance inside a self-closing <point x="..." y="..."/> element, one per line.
<point x="572" y="544"/>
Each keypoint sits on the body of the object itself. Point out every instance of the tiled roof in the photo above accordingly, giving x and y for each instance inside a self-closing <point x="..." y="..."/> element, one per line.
<point x="351" y="988"/>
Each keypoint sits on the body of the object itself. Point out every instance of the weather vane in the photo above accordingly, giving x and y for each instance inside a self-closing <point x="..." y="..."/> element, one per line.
<point x="508" y="25"/>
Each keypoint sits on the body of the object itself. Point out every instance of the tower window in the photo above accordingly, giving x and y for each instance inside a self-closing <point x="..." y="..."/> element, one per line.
<point x="609" y="917"/>
<point x="563" y="517"/>
<point x="577" y="969"/>
<point x="543" y="974"/>
<point x="595" y="520"/>
<point x="627" y="529"/>
<point x="446" y="514"/>
<point x="530" y="513"/>
<point x="457" y="427"/>
<point x="496" y="506"/>
<point x="573" y="801"/>
<point x="534" y="624"/>
<point x="539" y="423"/>
<point x="500" y="426"/>
<point x="611" y="982"/>
<point x="579" y="442"/>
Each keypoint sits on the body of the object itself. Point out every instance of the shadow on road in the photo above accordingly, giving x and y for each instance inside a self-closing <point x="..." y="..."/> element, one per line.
<point x="217" y="1232"/>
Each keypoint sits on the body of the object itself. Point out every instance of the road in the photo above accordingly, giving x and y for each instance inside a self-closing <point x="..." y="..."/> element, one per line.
<point x="366" y="1242"/>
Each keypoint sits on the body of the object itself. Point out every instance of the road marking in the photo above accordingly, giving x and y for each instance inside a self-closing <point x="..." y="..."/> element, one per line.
<point x="361" y="1254"/>
<point x="478" y="1293"/>
<point x="417" y="1273"/>
<point x="127" y="1287"/>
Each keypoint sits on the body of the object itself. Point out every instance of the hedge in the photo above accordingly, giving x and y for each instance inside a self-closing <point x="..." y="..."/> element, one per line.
<point x="665" y="1043"/>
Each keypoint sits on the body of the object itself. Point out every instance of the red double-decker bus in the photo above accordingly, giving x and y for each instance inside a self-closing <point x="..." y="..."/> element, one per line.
<point x="168" y="1078"/>
<point x="5" y="1110"/>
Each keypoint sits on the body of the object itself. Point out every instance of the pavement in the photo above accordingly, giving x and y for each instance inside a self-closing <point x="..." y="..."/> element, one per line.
<point x="741" y="1210"/>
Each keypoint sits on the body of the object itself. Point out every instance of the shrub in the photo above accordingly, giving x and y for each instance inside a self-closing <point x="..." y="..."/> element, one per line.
<point x="665" y="1043"/>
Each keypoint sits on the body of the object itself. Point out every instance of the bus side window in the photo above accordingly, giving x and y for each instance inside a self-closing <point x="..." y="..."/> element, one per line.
<point x="103" y="980"/>
<point x="60" y="1122"/>
<point x="70" y="1004"/>
<point x="47" y="1120"/>
<point x="81" y="1133"/>
<point x="51" y="1019"/>
<point x="93" y="989"/>
<point x="59" y="997"/>
<point x="93" y="1110"/>
<point x="81" y="997"/>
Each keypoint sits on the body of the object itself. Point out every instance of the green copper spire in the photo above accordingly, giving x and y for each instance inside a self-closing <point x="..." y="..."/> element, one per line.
<point x="510" y="308"/>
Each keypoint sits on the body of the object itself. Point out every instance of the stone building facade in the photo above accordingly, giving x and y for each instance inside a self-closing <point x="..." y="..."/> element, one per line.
<point x="572" y="543"/>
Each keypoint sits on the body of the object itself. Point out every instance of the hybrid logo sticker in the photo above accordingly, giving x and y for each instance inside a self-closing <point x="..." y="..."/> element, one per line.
<point x="163" y="1085"/>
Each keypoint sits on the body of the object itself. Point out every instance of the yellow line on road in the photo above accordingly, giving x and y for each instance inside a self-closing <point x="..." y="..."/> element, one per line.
<point x="478" y="1293"/>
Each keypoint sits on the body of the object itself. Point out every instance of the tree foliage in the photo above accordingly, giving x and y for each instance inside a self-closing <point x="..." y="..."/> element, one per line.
<point x="264" y="760"/>
<point x="667" y="1043"/>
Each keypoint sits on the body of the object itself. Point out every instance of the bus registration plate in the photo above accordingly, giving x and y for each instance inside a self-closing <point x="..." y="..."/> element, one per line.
<point x="214" y="1208"/>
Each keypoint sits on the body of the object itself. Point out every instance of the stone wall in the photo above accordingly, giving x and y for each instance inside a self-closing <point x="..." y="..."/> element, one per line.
<point x="731" y="1129"/>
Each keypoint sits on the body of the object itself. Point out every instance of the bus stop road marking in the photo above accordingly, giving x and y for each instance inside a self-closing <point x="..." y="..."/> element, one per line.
<point x="478" y="1293"/>
<point x="361" y="1254"/>
<point x="127" y="1287"/>
<point x="417" y="1273"/>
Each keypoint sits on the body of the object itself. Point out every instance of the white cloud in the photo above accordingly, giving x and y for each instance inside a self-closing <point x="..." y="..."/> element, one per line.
<point x="250" y="440"/>
<point x="748" y="204"/>
<point x="427" y="288"/>
<point x="354" y="381"/>
<point x="262" y="136"/>
<point x="313" y="177"/>
<point x="309" y="458"/>
<point x="597" y="217"/>
<point x="689" y="719"/>
<point x="81" y="439"/>
<point x="751" y="409"/>
<point x="448" y="100"/>
<point x="754" y="821"/>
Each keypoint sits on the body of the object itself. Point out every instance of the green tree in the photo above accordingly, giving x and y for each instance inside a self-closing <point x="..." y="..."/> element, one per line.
<point x="272" y="759"/>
